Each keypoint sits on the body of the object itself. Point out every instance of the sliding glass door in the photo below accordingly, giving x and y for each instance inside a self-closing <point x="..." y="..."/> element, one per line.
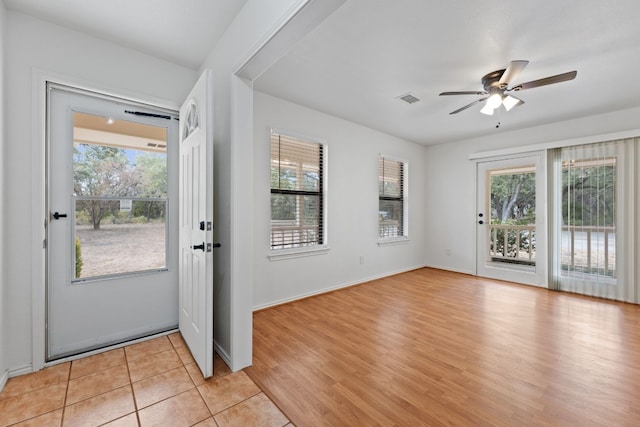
<point x="593" y="219"/>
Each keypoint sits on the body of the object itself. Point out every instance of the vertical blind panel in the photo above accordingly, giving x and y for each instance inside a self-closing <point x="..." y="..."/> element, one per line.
<point x="390" y="177"/>
<point x="590" y="214"/>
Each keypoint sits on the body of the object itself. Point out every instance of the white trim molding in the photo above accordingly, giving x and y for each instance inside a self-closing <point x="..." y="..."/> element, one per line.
<point x="555" y="144"/>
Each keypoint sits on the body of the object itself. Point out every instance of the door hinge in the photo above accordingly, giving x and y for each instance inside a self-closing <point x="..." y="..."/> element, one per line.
<point x="44" y="244"/>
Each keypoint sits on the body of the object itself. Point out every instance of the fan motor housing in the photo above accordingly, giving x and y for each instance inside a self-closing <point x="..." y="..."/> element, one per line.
<point x="491" y="80"/>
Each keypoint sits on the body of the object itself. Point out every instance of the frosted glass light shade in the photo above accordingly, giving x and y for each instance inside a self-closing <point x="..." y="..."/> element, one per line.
<point x="494" y="101"/>
<point x="509" y="102"/>
<point x="487" y="109"/>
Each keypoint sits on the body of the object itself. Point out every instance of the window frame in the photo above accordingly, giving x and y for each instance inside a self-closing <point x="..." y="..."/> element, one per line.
<point x="404" y="237"/>
<point x="310" y="250"/>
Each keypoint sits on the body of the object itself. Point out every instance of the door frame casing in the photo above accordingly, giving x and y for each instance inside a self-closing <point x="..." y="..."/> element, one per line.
<point x="39" y="80"/>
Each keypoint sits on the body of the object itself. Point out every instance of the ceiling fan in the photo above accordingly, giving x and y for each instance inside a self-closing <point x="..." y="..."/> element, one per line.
<point x="498" y="92"/>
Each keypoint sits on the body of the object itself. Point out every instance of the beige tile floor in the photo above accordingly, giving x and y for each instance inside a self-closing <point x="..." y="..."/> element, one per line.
<point x="152" y="383"/>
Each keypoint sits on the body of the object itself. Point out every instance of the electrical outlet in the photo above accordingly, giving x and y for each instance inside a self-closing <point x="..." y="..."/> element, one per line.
<point x="448" y="252"/>
<point x="361" y="259"/>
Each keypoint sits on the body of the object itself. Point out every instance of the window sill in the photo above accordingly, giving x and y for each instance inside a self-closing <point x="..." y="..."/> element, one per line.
<point x="393" y="241"/>
<point x="282" y="254"/>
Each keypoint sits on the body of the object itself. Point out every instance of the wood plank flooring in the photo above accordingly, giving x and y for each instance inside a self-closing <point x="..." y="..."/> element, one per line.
<point x="430" y="347"/>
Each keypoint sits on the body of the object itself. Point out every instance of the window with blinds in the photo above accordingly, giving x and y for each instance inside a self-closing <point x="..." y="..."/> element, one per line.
<point x="391" y="198"/>
<point x="297" y="218"/>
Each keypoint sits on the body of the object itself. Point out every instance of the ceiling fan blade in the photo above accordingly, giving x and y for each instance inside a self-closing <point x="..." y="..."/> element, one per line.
<point x="547" y="81"/>
<point x="465" y="92"/>
<point x="468" y="105"/>
<point x="514" y="68"/>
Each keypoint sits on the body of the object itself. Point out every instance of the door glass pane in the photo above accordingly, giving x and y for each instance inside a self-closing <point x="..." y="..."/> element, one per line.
<point x="120" y="196"/>
<point x="512" y="222"/>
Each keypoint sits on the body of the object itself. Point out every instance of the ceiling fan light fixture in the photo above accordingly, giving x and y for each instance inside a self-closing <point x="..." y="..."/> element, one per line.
<point x="494" y="101"/>
<point x="497" y="86"/>
<point x="509" y="102"/>
<point x="487" y="109"/>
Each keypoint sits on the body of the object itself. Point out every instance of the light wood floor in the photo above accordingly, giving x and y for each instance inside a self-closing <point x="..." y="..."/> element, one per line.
<point x="430" y="347"/>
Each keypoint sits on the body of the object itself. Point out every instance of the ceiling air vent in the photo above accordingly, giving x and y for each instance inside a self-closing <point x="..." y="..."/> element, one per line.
<point x="409" y="98"/>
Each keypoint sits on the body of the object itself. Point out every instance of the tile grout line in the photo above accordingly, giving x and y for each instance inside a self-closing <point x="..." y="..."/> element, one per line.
<point x="133" y="393"/>
<point x="67" y="383"/>
<point x="267" y="394"/>
<point x="48" y="412"/>
<point x="174" y="348"/>
<point x="66" y="392"/>
<point x="184" y="365"/>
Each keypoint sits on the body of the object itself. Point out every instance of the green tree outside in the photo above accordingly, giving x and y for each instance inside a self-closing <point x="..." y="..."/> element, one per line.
<point x="101" y="171"/>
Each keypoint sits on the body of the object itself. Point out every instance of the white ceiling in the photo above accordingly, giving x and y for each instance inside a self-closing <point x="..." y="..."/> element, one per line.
<point x="360" y="59"/>
<point x="369" y="52"/>
<point x="180" y="31"/>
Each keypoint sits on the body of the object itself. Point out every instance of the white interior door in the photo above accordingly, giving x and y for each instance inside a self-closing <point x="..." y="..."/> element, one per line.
<point x="112" y="233"/>
<point x="196" y="223"/>
<point x="510" y="220"/>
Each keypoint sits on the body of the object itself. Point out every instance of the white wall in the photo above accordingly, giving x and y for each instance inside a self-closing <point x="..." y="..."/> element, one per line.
<point x="3" y="365"/>
<point x="34" y="44"/>
<point x="352" y="189"/>
<point x="233" y="115"/>
<point x="450" y="183"/>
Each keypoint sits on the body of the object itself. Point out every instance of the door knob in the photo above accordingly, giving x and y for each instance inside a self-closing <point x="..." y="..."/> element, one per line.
<point x="199" y="246"/>
<point x="481" y="222"/>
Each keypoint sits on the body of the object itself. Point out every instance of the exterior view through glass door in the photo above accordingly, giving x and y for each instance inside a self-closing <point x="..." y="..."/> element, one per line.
<point x="592" y="250"/>
<point x="112" y="192"/>
<point x="510" y="220"/>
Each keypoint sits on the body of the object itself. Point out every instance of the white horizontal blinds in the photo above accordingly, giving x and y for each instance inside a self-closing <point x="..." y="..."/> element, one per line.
<point x="390" y="198"/>
<point x="593" y="218"/>
<point x="296" y="192"/>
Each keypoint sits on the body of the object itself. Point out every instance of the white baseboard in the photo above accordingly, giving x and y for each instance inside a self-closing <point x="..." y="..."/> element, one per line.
<point x="3" y="379"/>
<point x="455" y="270"/>
<point x="22" y="370"/>
<point x="223" y="354"/>
<point x="334" y="288"/>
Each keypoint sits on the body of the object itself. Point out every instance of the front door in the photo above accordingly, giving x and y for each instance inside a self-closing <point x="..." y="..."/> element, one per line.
<point x="112" y="235"/>
<point x="510" y="220"/>
<point x="196" y="223"/>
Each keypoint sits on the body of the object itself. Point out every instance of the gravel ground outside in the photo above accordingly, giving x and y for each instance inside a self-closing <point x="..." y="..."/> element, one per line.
<point x="121" y="248"/>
